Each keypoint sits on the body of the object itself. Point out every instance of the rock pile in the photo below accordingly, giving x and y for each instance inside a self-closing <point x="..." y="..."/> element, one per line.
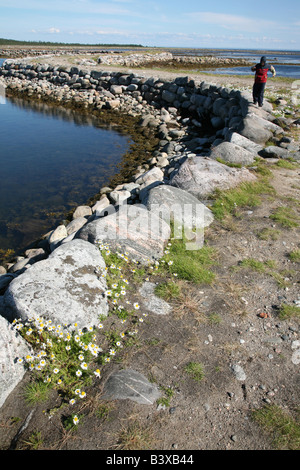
<point x="134" y="60"/>
<point x="58" y="279"/>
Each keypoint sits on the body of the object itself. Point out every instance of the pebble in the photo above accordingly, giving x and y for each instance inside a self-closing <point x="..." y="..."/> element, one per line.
<point x="238" y="372"/>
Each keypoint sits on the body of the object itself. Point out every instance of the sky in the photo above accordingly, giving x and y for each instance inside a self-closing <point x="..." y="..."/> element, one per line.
<point x="262" y="24"/>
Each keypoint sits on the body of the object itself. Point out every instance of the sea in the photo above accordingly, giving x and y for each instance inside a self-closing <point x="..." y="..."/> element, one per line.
<point x="286" y="63"/>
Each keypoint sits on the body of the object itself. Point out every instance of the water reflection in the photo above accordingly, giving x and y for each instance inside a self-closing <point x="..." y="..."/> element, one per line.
<point x="61" y="113"/>
<point x="52" y="159"/>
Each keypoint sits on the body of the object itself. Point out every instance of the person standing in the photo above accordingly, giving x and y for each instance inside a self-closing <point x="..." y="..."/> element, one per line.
<point x="261" y="75"/>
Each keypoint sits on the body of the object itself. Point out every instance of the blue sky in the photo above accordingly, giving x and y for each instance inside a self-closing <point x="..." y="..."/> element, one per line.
<point x="262" y="24"/>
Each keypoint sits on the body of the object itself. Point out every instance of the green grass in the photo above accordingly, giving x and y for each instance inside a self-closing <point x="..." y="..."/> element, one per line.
<point x="190" y="265"/>
<point x="286" y="217"/>
<point x="37" y="392"/>
<point x="195" y="370"/>
<point x="268" y="267"/>
<point x="286" y="164"/>
<point x="254" y="264"/>
<point x="165" y="400"/>
<point x="35" y="441"/>
<point x="295" y="255"/>
<point x="289" y="311"/>
<point x="214" y="319"/>
<point x="284" y="431"/>
<point x="168" y="290"/>
<point x="247" y="195"/>
<point x="230" y="164"/>
<point x="268" y="234"/>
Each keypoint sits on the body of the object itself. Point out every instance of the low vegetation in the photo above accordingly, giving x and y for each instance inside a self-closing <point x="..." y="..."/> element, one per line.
<point x="283" y="429"/>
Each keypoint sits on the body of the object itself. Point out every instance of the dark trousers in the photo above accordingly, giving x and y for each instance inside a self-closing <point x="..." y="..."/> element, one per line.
<point x="258" y="93"/>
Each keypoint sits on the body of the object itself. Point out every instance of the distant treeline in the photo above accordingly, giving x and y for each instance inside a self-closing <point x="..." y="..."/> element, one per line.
<point x="13" y="42"/>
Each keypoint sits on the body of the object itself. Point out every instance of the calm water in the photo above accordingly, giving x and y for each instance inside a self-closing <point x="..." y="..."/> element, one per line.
<point x="51" y="160"/>
<point x="291" y="71"/>
<point x="286" y="63"/>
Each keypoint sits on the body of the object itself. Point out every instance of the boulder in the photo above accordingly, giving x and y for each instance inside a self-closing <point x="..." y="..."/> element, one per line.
<point x="242" y="141"/>
<point x="232" y="153"/>
<point x="151" y="302"/>
<point x="252" y="130"/>
<point x="57" y="236"/>
<point x="119" y="196"/>
<point x="201" y="176"/>
<point x="274" y="152"/>
<point x="131" y="229"/>
<point x="151" y="176"/>
<point x="63" y="288"/>
<point x="12" y="347"/>
<point x="75" y="225"/>
<point x="257" y="129"/>
<point x="175" y="204"/>
<point x="82" y="211"/>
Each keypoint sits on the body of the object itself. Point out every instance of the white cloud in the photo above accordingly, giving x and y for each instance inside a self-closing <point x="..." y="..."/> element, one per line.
<point x="53" y="30"/>
<point x="232" y="22"/>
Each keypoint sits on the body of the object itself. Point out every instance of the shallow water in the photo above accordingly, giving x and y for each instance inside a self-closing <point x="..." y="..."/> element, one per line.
<point x="290" y="71"/>
<point x="51" y="160"/>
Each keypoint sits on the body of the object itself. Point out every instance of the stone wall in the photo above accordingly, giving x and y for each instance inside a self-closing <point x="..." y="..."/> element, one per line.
<point x="224" y="107"/>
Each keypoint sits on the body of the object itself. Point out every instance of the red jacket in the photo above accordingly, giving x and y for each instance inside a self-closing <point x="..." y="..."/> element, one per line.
<point x="261" y="72"/>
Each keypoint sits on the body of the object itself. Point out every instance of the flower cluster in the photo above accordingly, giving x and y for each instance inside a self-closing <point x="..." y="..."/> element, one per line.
<point x="67" y="357"/>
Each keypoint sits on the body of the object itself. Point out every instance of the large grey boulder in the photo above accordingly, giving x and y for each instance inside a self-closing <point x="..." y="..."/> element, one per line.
<point x="175" y="204"/>
<point x="63" y="288"/>
<point x="132" y="385"/>
<point x="257" y="129"/>
<point x="201" y="176"/>
<point x="232" y="153"/>
<point x="132" y="229"/>
<point x="12" y="347"/>
<point x="242" y="141"/>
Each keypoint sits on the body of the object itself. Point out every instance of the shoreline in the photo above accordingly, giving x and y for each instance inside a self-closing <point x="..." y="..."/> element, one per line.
<point x="81" y="106"/>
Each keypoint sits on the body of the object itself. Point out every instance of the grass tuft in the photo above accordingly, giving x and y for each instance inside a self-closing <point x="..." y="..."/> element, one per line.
<point x="245" y="196"/>
<point x="283" y="429"/>
<point x="195" y="370"/>
<point x="289" y="311"/>
<point x="286" y="217"/>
